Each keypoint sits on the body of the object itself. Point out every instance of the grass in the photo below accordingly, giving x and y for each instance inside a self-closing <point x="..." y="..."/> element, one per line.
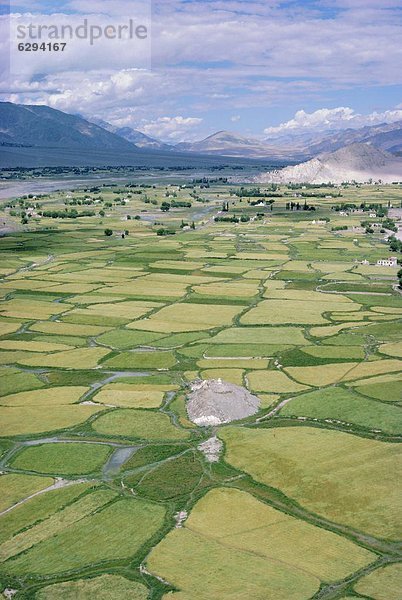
<point x="200" y="567"/>
<point x="293" y="312"/>
<point x="22" y="420"/>
<point x="32" y="346"/>
<point x="125" y="398"/>
<point x="260" y="335"/>
<point x="48" y="397"/>
<point x="62" y="459"/>
<point x="241" y="350"/>
<point x="390" y="391"/>
<point x="152" y="454"/>
<point x="80" y="358"/>
<point x="175" y="478"/>
<point x="228" y="301"/>
<point x="19" y="382"/>
<point x="382" y="584"/>
<point x="114" y="533"/>
<point x="104" y="587"/>
<point x="141" y="360"/>
<point x="273" y="381"/>
<point x="55" y="523"/>
<point x="351" y="480"/>
<point x="335" y="352"/>
<point x="123" y="339"/>
<point x="234" y="546"/>
<point x="138" y="424"/>
<point x="15" y="487"/>
<point x="183" y="317"/>
<point x="37" y="509"/>
<point x="339" y="404"/>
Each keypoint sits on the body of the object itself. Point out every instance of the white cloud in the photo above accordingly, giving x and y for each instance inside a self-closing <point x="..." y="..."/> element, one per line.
<point x="220" y="55"/>
<point x="324" y="119"/>
<point x="235" y="118"/>
<point x="171" y="129"/>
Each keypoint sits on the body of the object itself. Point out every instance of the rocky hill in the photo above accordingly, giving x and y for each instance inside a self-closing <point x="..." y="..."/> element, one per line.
<point x="356" y="162"/>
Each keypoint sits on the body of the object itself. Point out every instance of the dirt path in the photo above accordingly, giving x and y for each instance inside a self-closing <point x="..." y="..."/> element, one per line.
<point x="60" y="483"/>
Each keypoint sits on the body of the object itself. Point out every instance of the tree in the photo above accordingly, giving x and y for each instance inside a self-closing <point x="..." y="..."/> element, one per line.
<point x="165" y="206"/>
<point x="400" y="278"/>
<point x="108" y="232"/>
<point x="193" y="225"/>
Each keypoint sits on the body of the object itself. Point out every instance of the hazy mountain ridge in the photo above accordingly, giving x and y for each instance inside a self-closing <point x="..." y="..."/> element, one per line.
<point x="41" y="126"/>
<point x="141" y="140"/>
<point x="386" y="136"/>
<point x="359" y="162"/>
<point x="227" y="143"/>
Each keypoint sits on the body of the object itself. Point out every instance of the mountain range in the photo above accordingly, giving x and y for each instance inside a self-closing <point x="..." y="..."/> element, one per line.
<point x="38" y="136"/>
<point x="360" y="162"/>
<point x="141" y="140"/>
<point x="41" y="126"/>
<point x="387" y="136"/>
<point x="32" y="135"/>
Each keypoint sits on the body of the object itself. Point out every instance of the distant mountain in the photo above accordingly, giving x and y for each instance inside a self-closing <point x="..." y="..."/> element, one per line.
<point x="41" y="126"/>
<point x="226" y="143"/>
<point x="386" y="136"/>
<point x="141" y="140"/>
<point x="357" y="162"/>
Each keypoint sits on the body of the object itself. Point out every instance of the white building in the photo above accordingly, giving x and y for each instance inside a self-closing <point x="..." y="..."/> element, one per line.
<point x="392" y="261"/>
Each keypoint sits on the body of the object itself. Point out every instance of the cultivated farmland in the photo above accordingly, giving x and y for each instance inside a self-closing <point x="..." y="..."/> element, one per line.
<point x="108" y="489"/>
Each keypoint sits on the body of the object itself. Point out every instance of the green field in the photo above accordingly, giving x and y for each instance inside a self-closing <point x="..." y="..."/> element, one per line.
<point x="106" y="488"/>
<point x="65" y="459"/>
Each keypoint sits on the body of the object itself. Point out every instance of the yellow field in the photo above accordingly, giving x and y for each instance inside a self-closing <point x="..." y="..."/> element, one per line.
<point x="229" y="533"/>
<point x="232" y="375"/>
<point x="49" y="397"/>
<point x="15" y="487"/>
<point x="293" y="311"/>
<point x="32" y="346"/>
<point x="273" y="381"/>
<point x="69" y="329"/>
<point x="104" y="587"/>
<point x="383" y="584"/>
<point x="188" y="317"/>
<point x="23" y="420"/>
<point x="80" y="358"/>
<point x="327" y="472"/>
<point x="111" y="396"/>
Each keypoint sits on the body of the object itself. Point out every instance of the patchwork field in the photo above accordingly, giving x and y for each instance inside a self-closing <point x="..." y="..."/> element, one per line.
<point x="107" y="489"/>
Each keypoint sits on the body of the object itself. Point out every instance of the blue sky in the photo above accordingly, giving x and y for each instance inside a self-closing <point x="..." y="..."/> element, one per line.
<point x="259" y="67"/>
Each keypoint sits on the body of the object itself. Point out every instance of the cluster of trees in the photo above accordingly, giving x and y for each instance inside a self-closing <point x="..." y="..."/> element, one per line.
<point x="308" y="186"/>
<point x="232" y="219"/>
<point x="180" y="204"/>
<point x="162" y="231"/>
<point x="66" y="214"/>
<point x="184" y="224"/>
<point x="339" y="228"/>
<point x="389" y="224"/>
<point x="81" y="201"/>
<point x="256" y="192"/>
<point x="297" y="206"/>
<point x="109" y="233"/>
<point x="394" y="244"/>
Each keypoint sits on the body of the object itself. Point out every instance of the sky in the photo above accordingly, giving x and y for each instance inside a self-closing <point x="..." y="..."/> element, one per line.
<point x="260" y="68"/>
